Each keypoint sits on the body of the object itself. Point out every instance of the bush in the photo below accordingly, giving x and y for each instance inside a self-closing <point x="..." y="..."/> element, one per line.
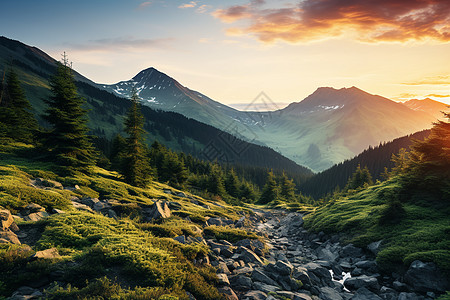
<point x="230" y="234"/>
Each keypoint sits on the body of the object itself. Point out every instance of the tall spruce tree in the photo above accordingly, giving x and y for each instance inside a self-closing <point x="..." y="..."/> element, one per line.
<point x="359" y="179"/>
<point x="270" y="190"/>
<point x="136" y="168"/>
<point x="16" y="119"/>
<point x="287" y="187"/>
<point x="67" y="140"/>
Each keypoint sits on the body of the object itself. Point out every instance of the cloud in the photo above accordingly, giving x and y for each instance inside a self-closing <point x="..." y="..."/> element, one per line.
<point x="144" y="4"/>
<point x="365" y="20"/>
<point x="123" y="43"/>
<point x="431" y="80"/>
<point x="438" y="96"/>
<point x="188" y="5"/>
<point x="203" y="8"/>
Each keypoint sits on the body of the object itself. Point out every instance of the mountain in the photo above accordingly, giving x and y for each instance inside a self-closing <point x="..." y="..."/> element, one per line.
<point x="106" y="113"/>
<point x="326" y="128"/>
<point x="428" y="105"/>
<point x="374" y="158"/>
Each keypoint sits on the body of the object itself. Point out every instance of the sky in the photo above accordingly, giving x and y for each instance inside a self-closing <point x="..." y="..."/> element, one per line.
<point x="233" y="50"/>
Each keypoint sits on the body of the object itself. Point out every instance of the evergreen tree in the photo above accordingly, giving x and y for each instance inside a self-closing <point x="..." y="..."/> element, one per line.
<point x="16" y="120"/>
<point x="215" y="182"/>
<point x="67" y="140"/>
<point x="270" y="191"/>
<point x="136" y="168"/>
<point x="231" y="184"/>
<point x="287" y="188"/>
<point x="359" y="179"/>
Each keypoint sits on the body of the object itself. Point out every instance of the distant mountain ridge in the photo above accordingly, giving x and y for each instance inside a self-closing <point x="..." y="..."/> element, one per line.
<point x="427" y="105"/>
<point x="325" y="128"/>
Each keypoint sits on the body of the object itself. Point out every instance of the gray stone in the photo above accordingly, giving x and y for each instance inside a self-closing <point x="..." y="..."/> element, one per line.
<point x="365" y="294"/>
<point x="58" y="211"/>
<point x="258" y="275"/>
<point x="37" y="216"/>
<point x="223" y="279"/>
<point x="159" y="210"/>
<point x="249" y="256"/>
<point x="322" y="273"/>
<point x="426" y="277"/>
<point x="82" y="207"/>
<point x="100" y="206"/>
<point x="327" y="255"/>
<point x="89" y="201"/>
<point x="400" y="286"/>
<point x="375" y="247"/>
<point x="241" y="282"/>
<point x="283" y="268"/>
<point x="51" y="253"/>
<point x="408" y="296"/>
<point x="255" y="295"/>
<point x="266" y="288"/>
<point x="223" y="268"/>
<point x="10" y="237"/>
<point x="6" y="219"/>
<point x="180" y="239"/>
<point x="327" y="293"/>
<point x="369" y="265"/>
<point x="301" y="274"/>
<point x="293" y="295"/>
<point x="228" y="293"/>
<point x="31" y="208"/>
<point x="355" y="283"/>
<point x="351" y="251"/>
<point x="111" y="214"/>
<point x="219" y="221"/>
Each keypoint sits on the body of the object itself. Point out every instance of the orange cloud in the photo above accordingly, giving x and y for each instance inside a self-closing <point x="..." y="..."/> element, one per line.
<point x="432" y="80"/>
<point x="438" y="96"/>
<point x="368" y="20"/>
<point x="188" y="5"/>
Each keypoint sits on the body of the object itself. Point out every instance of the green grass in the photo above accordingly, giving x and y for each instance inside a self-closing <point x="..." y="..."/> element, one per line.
<point x="230" y="234"/>
<point x="423" y="232"/>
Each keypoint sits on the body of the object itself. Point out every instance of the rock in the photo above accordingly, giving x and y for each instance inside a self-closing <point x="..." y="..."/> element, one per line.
<point x="241" y="282"/>
<point x="100" y="206"/>
<point x="223" y="268"/>
<point x="293" y="296"/>
<point x="219" y="222"/>
<point x="320" y="272"/>
<point x="408" y="296"/>
<point x="181" y="194"/>
<point x="266" y="288"/>
<point x="26" y="292"/>
<point x="180" y="238"/>
<point x="53" y="184"/>
<point x="37" y="216"/>
<point x="400" y="286"/>
<point x="51" y="253"/>
<point x="327" y="293"/>
<point x="301" y="274"/>
<point x="249" y="256"/>
<point x="283" y="268"/>
<point x="355" y="283"/>
<point x="426" y="277"/>
<point x="368" y="265"/>
<point x="260" y="276"/>
<point x="351" y="251"/>
<point x="9" y="237"/>
<point x="365" y="294"/>
<point x="168" y="192"/>
<point x="31" y="208"/>
<point x="82" y="207"/>
<point x="228" y="293"/>
<point x="255" y="295"/>
<point x="158" y="210"/>
<point x="57" y="211"/>
<point x="111" y="214"/>
<point x="375" y="247"/>
<point x="6" y="219"/>
<point x="89" y="201"/>
<point x="327" y="255"/>
<point x="254" y="245"/>
<point x="223" y="279"/>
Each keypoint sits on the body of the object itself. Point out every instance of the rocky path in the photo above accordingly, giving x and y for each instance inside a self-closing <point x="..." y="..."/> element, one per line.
<point x="302" y="265"/>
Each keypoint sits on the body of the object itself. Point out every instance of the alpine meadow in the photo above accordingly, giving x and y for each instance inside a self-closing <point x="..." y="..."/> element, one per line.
<point x="234" y="150"/>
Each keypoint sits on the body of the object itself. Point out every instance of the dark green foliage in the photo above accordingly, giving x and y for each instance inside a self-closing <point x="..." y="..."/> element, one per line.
<point x="359" y="179"/>
<point x="231" y="184"/>
<point x="393" y="213"/>
<point x="377" y="159"/>
<point x="230" y="234"/>
<point x="16" y="120"/>
<point x="287" y="188"/>
<point x="270" y="191"/>
<point x="215" y="182"/>
<point x="135" y="166"/>
<point x="67" y="140"/>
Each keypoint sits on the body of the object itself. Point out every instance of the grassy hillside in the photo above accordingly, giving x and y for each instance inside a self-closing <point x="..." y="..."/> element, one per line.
<point x="119" y="257"/>
<point x="421" y="230"/>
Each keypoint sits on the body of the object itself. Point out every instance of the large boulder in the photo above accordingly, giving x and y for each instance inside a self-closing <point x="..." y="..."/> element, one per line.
<point x="255" y="295"/>
<point x="7" y="220"/>
<point x="37" y="216"/>
<point x="426" y="277"/>
<point x="283" y="268"/>
<point x="159" y="210"/>
<point x="355" y="283"/>
<point x="365" y="294"/>
<point x="9" y="237"/>
<point x="31" y="208"/>
<point x="249" y="256"/>
<point x="327" y="293"/>
<point x="241" y="282"/>
<point x="51" y="253"/>
<point x="260" y="276"/>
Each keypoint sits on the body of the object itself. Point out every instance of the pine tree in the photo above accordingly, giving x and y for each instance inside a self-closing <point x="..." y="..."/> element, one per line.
<point x="16" y="120"/>
<point x="270" y="191"/>
<point x="359" y="179"/>
<point x="231" y="184"/>
<point x="67" y="140"/>
<point x="287" y="186"/>
<point x="215" y="183"/>
<point x="136" y="168"/>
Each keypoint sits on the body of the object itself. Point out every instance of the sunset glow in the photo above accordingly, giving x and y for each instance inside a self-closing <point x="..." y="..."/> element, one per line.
<point x="233" y="50"/>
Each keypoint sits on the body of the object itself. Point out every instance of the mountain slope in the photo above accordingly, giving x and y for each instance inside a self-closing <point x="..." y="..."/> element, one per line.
<point x="376" y="159"/>
<point x="106" y="113"/>
<point x="325" y="128"/>
<point x="427" y="105"/>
